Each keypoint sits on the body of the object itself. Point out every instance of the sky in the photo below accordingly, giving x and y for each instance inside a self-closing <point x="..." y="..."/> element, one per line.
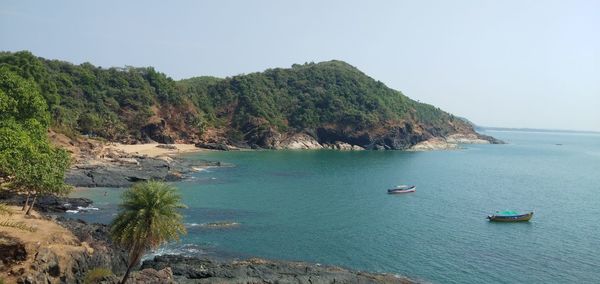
<point x="510" y="63"/>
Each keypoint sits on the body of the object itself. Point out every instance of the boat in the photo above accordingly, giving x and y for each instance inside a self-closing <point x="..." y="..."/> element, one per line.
<point x="510" y="216"/>
<point x="402" y="189"/>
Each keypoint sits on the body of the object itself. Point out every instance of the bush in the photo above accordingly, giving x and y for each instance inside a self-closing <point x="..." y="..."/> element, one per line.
<point x="96" y="275"/>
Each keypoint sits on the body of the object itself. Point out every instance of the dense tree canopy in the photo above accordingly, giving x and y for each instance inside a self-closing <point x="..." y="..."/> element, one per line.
<point x="27" y="160"/>
<point x="113" y="103"/>
<point x="128" y="104"/>
<point x="309" y="96"/>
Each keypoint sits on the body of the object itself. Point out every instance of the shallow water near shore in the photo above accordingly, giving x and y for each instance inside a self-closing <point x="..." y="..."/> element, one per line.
<point x="332" y="208"/>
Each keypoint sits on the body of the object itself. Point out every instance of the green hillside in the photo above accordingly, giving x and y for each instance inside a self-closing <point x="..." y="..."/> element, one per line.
<point x="331" y="101"/>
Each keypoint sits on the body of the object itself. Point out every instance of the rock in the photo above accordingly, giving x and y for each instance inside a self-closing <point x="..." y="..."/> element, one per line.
<point x="433" y="144"/>
<point x="131" y="161"/>
<point x="343" y="146"/>
<point x="167" y="146"/>
<point x="213" y="146"/>
<point x="69" y="263"/>
<point x="122" y="171"/>
<point x="298" y="141"/>
<point x="157" y="132"/>
<point x="11" y="251"/>
<point x="149" y="275"/>
<point x="471" y="138"/>
<point x="105" y="252"/>
<point x="194" y="270"/>
<point x="45" y="203"/>
<point x="357" y="148"/>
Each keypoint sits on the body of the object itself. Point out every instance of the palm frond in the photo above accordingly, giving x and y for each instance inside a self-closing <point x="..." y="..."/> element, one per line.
<point x="149" y="216"/>
<point x="17" y="225"/>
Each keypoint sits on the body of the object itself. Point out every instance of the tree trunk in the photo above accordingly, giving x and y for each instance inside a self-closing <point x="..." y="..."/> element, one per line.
<point x="132" y="262"/>
<point x="126" y="274"/>
<point x="31" y="206"/>
<point x="26" y="202"/>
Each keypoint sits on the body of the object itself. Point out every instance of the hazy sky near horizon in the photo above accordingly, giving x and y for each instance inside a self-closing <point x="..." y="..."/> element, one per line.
<point x="498" y="63"/>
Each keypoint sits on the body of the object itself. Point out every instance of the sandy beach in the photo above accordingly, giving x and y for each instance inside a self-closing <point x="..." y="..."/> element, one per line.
<point x="151" y="149"/>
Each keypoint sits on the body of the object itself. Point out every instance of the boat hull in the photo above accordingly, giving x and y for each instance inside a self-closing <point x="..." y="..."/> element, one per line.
<point x="515" y="218"/>
<point x="400" y="191"/>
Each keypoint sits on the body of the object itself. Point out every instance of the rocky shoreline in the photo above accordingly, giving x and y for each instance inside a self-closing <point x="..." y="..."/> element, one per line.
<point x="68" y="256"/>
<point x="339" y="141"/>
<point x="46" y="203"/>
<point x="120" y="169"/>
<point x="256" y="270"/>
<point x="453" y="142"/>
<point x="110" y="167"/>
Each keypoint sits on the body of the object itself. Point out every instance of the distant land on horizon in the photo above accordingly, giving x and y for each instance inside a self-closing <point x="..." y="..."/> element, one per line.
<point x="526" y="129"/>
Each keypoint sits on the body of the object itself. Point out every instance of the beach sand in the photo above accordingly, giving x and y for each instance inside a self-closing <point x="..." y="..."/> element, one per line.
<point x="151" y="149"/>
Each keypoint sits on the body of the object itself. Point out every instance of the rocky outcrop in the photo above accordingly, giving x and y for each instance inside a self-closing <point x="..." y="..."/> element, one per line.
<point x="122" y="170"/>
<point x="297" y="142"/>
<point x="306" y="141"/>
<point x="453" y="142"/>
<point x="56" y="251"/>
<point x="434" y="144"/>
<point x="214" y="146"/>
<point x="193" y="270"/>
<point x="470" y="138"/>
<point x="11" y="252"/>
<point x="46" y="203"/>
<point x="69" y="249"/>
<point x="396" y="136"/>
<point x="157" y="132"/>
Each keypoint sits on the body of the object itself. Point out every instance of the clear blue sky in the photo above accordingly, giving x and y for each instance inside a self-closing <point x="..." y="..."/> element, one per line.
<point x="499" y="63"/>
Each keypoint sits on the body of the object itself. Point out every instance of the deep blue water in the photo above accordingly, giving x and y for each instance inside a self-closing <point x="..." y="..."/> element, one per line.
<point x="332" y="208"/>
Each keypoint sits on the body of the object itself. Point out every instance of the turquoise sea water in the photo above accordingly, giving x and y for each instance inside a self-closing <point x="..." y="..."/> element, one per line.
<point x="332" y="208"/>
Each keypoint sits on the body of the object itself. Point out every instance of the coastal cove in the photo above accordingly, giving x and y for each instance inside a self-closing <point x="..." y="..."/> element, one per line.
<point x="330" y="207"/>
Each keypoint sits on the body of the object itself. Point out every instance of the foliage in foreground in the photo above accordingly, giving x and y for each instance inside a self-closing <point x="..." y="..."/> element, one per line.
<point x="149" y="217"/>
<point x="28" y="162"/>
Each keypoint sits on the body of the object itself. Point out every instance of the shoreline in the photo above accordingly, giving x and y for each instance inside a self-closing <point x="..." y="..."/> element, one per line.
<point x="119" y="165"/>
<point x="141" y="161"/>
<point x="154" y="150"/>
<point x="69" y="249"/>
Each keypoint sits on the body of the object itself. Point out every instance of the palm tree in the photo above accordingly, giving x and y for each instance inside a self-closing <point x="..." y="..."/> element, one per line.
<point x="149" y="217"/>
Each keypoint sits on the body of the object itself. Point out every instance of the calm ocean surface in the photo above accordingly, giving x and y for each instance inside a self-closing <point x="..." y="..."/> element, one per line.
<point x="332" y="208"/>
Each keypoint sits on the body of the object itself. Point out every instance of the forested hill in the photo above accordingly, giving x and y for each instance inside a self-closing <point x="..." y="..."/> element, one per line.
<point x="328" y="102"/>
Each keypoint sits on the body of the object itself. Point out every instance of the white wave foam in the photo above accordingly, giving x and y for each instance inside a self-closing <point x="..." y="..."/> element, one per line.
<point x="185" y="250"/>
<point x="86" y="208"/>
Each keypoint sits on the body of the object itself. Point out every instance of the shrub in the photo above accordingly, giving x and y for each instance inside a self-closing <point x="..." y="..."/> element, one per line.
<point x="96" y="275"/>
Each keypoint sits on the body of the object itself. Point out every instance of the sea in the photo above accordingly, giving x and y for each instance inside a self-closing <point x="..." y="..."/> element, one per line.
<point x="331" y="207"/>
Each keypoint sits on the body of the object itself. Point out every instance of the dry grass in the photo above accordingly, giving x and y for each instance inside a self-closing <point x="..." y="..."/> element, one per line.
<point x="36" y="232"/>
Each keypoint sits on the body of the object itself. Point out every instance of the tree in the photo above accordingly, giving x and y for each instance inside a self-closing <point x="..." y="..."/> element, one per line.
<point x="27" y="160"/>
<point x="149" y="217"/>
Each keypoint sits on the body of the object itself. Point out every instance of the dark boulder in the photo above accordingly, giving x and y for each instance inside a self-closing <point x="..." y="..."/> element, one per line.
<point x="46" y="203"/>
<point x="213" y="146"/>
<point x="11" y="251"/>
